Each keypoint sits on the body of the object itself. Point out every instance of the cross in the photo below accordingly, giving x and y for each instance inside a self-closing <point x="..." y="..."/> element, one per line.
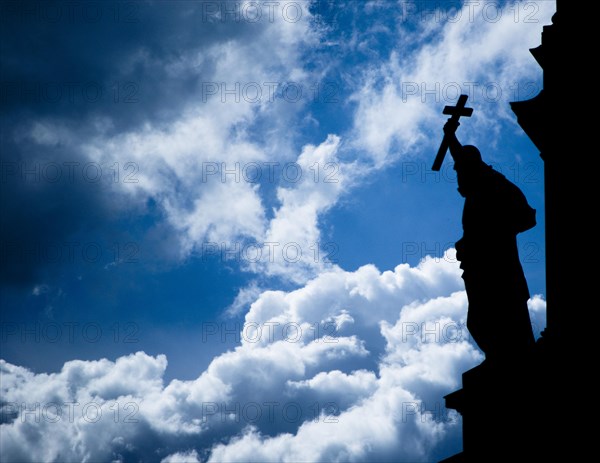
<point x="455" y="112"/>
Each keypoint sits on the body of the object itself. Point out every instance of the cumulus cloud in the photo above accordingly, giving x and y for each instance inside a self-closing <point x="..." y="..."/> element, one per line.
<point x="290" y="391"/>
<point x="350" y="367"/>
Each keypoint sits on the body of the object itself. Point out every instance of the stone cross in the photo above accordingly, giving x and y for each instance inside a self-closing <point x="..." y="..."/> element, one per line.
<point x="455" y="112"/>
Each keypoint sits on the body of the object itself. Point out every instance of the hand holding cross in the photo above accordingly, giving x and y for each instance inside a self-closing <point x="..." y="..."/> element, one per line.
<point x="455" y="112"/>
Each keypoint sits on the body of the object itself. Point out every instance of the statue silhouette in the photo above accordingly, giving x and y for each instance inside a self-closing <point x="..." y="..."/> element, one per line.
<point x="495" y="211"/>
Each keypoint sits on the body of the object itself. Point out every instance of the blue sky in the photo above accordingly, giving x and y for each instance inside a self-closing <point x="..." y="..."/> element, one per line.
<point x="210" y="207"/>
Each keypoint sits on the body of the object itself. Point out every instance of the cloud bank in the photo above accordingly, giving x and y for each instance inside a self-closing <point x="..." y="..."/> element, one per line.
<point x="350" y="367"/>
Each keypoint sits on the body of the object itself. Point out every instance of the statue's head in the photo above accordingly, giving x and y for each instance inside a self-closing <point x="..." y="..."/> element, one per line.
<point x="471" y="157"/>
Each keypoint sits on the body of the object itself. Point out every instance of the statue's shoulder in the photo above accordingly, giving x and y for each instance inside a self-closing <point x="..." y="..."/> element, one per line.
<point x="499" y="180"/>
<point x="499" y="176"/>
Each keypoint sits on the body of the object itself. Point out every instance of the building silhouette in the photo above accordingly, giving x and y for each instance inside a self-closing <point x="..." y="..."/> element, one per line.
<point x="532" y="409"/>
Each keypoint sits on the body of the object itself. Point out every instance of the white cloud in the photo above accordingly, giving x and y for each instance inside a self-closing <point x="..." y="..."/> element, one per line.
<point x="220" y="130"/>
<point x="291" y="391"/>
<point x="314" y="404"/>
<point x="294" y="226"/>
<point x="399" y="105"/>
<point x="224" y="124"/>
<point x="182" y="457"/>
<point x="537" y="313"/>
<point x="243" y="299"/>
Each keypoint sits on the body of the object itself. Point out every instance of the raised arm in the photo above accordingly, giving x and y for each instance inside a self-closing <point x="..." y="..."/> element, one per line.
<point x="453" y="143"/>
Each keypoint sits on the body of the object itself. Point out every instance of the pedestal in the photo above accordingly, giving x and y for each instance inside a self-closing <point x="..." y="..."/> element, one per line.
<point x="517" y="411"/>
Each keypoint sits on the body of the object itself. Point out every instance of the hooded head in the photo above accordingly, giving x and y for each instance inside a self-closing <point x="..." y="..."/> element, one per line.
<point x="470" y="156"/>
